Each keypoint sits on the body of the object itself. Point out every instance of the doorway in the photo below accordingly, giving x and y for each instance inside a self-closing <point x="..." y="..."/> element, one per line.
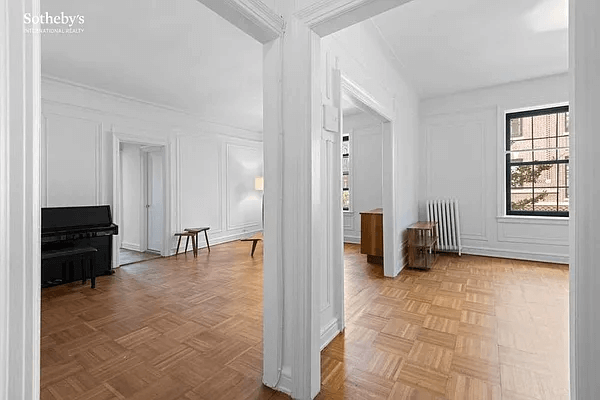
<point x="375" y="147"/>
<point x="362" y="171"/>
<point x="338" y="169"/>
<point x="153" y="162"/>
<point x="142" y="205"/>
<point x="140" y="195"/>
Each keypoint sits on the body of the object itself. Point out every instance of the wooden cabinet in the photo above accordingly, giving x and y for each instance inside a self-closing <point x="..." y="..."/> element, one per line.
<point x="371" y="235"/>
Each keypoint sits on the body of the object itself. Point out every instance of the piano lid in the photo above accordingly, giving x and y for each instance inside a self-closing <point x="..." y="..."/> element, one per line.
<point x="65" y="218"/>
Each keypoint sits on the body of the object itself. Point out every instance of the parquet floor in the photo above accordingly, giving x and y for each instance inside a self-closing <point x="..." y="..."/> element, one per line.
<point x="127" y="257"/>
<point x="185" y="328"/>
<point x="471" y="328"/>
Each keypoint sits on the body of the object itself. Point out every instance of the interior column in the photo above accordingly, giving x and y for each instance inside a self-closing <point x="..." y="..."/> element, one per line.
<point x="292" y="133"/>
<point x="19" y="201"/>
<point x="585" y="215"/>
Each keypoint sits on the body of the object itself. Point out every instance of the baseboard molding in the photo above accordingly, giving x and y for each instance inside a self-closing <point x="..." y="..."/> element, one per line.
<point x="131" y="246"/>
<point x="285" y="382"/>
<point x="329" y="332"/>
<point x="403" y="257"/>
<point x="352" y="239"/>
<point x="516" y="254"/>
<point x="215" y="241"/>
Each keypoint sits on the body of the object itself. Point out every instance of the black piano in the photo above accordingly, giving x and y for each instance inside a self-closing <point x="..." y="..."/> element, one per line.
<point x="64" y="227"/>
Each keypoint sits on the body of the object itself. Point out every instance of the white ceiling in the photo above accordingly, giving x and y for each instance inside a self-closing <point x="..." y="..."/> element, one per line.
<point x="175" y="53"/>
<point x="180" y="54"/>
<point x="448" y="46"/>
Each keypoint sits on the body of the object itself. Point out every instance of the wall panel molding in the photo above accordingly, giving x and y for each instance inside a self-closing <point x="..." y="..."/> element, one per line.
<point x="98" y="163"/>
<point x="349" y="220"/>
<point x="516" y="254"/>
<point x="228" y="180"/>
<point x="45" y="141"/>
<point x="453" y="122"/>
<point x="222" y="206"/>
<point x="538" y="236"/>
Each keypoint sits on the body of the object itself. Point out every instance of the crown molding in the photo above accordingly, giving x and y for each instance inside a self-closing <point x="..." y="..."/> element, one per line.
<point x="251" y="16"/>
<point x="364" y="99"/>
<point x="328" y="16"/>
<point x="220" y="128"/>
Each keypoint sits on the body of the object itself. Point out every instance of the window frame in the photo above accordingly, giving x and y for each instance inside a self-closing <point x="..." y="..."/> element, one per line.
<point x="349" y="174"/>
<point x="520" y="135"/>
<point x="509" y="116"/>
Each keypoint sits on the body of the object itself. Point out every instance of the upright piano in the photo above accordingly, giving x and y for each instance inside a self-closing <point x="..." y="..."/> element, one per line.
<point x="64" y="227"/>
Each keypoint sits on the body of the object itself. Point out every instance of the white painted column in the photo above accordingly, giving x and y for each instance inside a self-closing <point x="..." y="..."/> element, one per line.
<point x="293" y="209"/>
<point x="585" y="211"/>
<point x="19" y="202"/>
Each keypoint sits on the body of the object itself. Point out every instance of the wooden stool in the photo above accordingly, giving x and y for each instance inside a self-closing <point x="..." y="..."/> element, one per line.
<point x="187" y="235"/>
<point x="254" y="239"/>
<point x="68" y="256"/>
<point x="197" y="231"/>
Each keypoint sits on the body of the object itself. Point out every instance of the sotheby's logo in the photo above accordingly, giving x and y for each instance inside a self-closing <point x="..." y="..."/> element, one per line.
<point x="48" y="23"/>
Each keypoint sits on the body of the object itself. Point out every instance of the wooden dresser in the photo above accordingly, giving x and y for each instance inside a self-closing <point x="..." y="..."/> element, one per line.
<point x="371" y="235"/>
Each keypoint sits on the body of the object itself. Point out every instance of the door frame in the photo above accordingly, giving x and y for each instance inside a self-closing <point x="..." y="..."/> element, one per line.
<point x="144" y="231"/>
<point x="19" y="202"/>
<point x="164" y="144"/>
<point x="369" y="104"/>
<point x="291" y="146"/>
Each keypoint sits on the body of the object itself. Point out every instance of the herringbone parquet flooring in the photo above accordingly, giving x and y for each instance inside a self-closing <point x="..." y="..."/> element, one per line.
<point x="185" y="328"/>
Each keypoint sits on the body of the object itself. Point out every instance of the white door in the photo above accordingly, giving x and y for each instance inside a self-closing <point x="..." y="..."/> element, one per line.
<point x="155" y="200"/>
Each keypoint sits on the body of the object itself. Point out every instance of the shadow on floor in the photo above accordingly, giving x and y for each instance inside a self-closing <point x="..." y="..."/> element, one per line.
<point x="127" y="257"/>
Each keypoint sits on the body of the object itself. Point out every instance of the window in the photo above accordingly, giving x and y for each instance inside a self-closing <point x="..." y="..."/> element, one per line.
<point x="566" y="177"/>
<point x="537" y="162"/>
<point x="346" y="202"/>
<point x="516" y="129"/>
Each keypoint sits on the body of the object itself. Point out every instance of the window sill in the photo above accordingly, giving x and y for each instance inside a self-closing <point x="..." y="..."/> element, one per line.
<point x="523" y="219"/>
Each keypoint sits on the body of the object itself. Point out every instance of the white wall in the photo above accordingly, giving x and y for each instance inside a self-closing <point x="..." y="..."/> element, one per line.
<point x="217" y="185"/>
<point x="462" y="144"/>
<point x="212" y="166"/>
<point x="131" y="178"/>
<point x="366" y="171"/>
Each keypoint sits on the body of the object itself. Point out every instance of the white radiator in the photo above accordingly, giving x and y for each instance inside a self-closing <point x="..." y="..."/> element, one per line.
<point x="445" y="213"/>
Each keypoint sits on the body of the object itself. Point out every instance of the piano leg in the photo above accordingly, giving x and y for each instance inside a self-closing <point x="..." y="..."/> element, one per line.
<point x="83" y="271"/>
<point x="64" y="266"/>
<point x="70" y="271"/>
<point x="93" y="272"/>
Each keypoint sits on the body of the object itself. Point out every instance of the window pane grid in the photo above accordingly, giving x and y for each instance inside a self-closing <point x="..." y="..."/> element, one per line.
<point x="346" y="172"/>
<point x="537" y="156"/>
